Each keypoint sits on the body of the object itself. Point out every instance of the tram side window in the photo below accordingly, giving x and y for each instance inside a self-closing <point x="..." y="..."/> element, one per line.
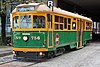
<point x="65" y="23"/>
<point x="39" y="22"/>
<point x="74" y="25"/>
<point x="61" y="19"/>
<point x="49" y="19"/>
<point x="56" y="18"/>
<point x="61" y="26"/>
<point x="88" y="26"/>
<point x="74" y="18"/>
<point x="69" y="23"/>
<point x="68" y="27"/>
<point x="15" y="21"/>
<point x="56" y="27"/>
<point x="83" y="25"/>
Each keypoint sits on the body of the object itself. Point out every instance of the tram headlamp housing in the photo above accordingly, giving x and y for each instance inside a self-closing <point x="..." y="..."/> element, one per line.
<point x="13" y="52"/>
<point x="25" y="38"/>
<point x="41" y="53"/>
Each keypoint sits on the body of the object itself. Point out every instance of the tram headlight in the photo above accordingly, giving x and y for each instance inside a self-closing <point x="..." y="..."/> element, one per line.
<point x="41" y="53"/>
<point x="13" y="52"/>
<point x="25" y="38"/>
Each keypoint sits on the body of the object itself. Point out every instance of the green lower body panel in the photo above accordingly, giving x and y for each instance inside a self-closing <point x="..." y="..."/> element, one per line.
<point x="54" y="39"/>
<point x="65" y="38"/>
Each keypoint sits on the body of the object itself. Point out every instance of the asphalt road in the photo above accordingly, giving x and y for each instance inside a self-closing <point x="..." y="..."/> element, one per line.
<point x="88" y="56"/>
<point x="5" y="51"/>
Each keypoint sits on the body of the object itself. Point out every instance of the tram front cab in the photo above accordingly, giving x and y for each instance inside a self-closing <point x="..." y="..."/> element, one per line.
<point x="30" y="33"/>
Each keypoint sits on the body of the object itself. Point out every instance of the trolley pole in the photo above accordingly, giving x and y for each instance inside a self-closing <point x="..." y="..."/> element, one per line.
<point x="50" y="4"/>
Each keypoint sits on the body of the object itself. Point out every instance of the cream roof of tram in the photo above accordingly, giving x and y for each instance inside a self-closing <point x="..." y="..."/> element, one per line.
<point x="44" y="7"/>
<point x="30" y="4"/>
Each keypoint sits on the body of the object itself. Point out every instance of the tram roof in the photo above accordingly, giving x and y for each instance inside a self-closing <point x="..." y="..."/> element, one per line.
<point x="44" y="7"/>
<point x="30" y="4"/>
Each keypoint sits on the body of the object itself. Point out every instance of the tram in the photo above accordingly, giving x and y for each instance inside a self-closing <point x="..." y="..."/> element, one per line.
<point x="39" y="32"/>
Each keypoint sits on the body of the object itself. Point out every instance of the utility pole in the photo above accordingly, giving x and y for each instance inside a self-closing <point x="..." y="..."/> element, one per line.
<point x="3" y="22"/>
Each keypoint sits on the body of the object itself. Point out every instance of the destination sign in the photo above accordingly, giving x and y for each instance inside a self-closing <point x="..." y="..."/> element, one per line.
<point x="24" y="9"/>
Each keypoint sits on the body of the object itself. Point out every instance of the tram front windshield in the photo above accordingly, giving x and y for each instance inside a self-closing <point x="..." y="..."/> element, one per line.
<point x="38" y="22"/>
<point x="28" y="21"/>
<point x="25" y="21"/>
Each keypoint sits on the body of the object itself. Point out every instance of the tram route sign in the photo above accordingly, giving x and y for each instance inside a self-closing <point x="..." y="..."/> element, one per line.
<point x="50" y="3"/>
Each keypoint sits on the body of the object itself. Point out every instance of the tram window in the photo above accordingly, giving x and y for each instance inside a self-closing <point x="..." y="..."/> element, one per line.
<point x="87" y="25"/>
<point x="49" y="17"/>
<point x="68" y="27"/>
<point x="83" y="25"/>
<point x="74" y="25"/>
<point x="69" y="21"/>
<point x="90" y="26"/>
<point x="61" y="19"/>
<point x="61" y="26"/>
<point x="38" y="22"/>
<point x="56" y="26"/>
<point x="74" y="18"/>
<point x="56" y="18"/>
<point x="15" y="21"/>
<point x="65" y="23"/>
<point x="25" y="21"/>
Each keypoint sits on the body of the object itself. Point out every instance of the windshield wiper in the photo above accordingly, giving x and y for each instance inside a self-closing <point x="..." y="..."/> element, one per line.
<point x="23" y="18"/>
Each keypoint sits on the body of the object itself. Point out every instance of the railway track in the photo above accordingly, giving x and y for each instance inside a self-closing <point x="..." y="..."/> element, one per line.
<point x="17" y="63"/>
<point x="8" y="61"/>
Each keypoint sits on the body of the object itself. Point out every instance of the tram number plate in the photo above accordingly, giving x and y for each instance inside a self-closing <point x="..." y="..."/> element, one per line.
<point x="35" y="37"/>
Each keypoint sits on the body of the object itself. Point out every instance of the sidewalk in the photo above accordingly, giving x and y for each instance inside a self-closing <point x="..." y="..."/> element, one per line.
<point x="5" y="51"/>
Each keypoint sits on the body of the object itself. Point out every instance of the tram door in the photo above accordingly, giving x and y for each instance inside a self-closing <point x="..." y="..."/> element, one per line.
<point x="50" y="31"/>
<point x="79" y="33"/>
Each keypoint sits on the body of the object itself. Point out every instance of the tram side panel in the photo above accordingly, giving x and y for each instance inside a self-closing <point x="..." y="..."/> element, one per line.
<point x="65" y="38"/>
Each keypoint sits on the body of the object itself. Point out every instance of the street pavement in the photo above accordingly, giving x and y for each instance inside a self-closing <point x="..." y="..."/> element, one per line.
<point x="88" y="56"/>
<point x="5" y="51"/>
